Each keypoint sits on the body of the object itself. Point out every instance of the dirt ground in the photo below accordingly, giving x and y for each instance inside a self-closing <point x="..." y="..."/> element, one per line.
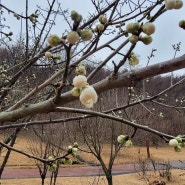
<point x="126" y="155"/>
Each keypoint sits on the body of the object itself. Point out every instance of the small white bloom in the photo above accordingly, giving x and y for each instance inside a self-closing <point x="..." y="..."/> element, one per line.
<point x="74" y="149"/>
<point x="79" y="81"/>
<point x="121" y="139"/>
<point x="88" y="96"/>
<point x="69" y="147"/>
<point x="173" y="142"/>
<point x="161" y="114"/>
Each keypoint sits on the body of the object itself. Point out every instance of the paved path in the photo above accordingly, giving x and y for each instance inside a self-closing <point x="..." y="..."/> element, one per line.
<point x="10" y="173"/>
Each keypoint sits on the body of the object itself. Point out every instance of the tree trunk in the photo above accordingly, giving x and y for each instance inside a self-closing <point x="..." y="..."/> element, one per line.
<point x="56" y="172"/>
<point x="43" y="179"/>
<point x="109" y="177"/>
<point x="148" y="148"/>
<point x="12" y="138"/>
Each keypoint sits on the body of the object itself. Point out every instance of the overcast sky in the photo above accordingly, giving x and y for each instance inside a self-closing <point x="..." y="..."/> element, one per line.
<point x="167" y="30"/>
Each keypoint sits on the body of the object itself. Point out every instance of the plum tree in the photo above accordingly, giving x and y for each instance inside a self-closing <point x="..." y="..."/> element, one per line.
<point x="44" y="74"/>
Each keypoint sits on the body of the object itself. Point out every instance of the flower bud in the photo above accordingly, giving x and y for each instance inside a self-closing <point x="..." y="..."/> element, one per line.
<point x="133" y="59"/>
<point x="68" y="161"/>
<point x="182" y="24"/>
<point x="58" y="57"/>
<point x="75" y="144"/>
<point x="128" y="143"/>
<point x="69" y="147"/>
<point x="80" y="69"/>
<point x="132" y="27"/>
<point x="121" y="139"/>
<point x="72" y="37"/>
<point x="148" y="28"/>
<point x="99" y="27"/>
<point x="79" y="81"/>
<point x="182" y="144"/>
<point x="178" y="148"/>
<point x="54" y="40"/>
<point x="170" y="4"/>
<point x="86" y="35"/>
<point x="74" y="149"/>
<point x="48" y="54"/>
<point x="75" y="91"/>
<point x="133" y="39"/>
<point x="10" y="33"/>
<point x="173" y="142"/>
<point x="146" y="39"/>
<point x="50" y="158"/>
<point x="179" y="139"/>
<point x="102" y="19"/>
<point x="179" y="4"/>
<point x="16" y="16"/>
<point x="52" y="167"/>
<point x="75" y="16"/>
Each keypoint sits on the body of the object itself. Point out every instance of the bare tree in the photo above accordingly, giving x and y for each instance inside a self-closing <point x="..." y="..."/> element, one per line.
<point x="41" y="74"/>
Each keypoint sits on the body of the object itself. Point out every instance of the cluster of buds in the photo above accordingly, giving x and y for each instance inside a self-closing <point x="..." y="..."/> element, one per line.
<point x="71" y="150"/>
<point x="134" y="28"/>
<point x="102" y="21"/>
<point x="124" y="139"/>
<point x="74" y="36"/>
<point x="149" y="28"/>
<point x="133" y="59"/>
<point x="86" y="93"/>
<point x="68" y="161"/>
<point x="49" y="55"/>
<point x="177" y="143"/>
<point x="33" y="18"/>
<point x="52" y="166"/>
<point x="173" y="4"/>
<point x="16" y="16"/>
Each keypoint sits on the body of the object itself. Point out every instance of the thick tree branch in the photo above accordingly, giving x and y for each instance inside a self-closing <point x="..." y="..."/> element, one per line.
<point x="115" y="81"/>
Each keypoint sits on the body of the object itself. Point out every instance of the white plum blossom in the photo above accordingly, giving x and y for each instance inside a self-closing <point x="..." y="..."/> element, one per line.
<point x="79" y="81"/>
<point x="88" y="96"/>
<point x="173" y="142"/>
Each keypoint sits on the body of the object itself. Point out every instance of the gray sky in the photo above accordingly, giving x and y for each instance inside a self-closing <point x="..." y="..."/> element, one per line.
<point x="167" y="30"/>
